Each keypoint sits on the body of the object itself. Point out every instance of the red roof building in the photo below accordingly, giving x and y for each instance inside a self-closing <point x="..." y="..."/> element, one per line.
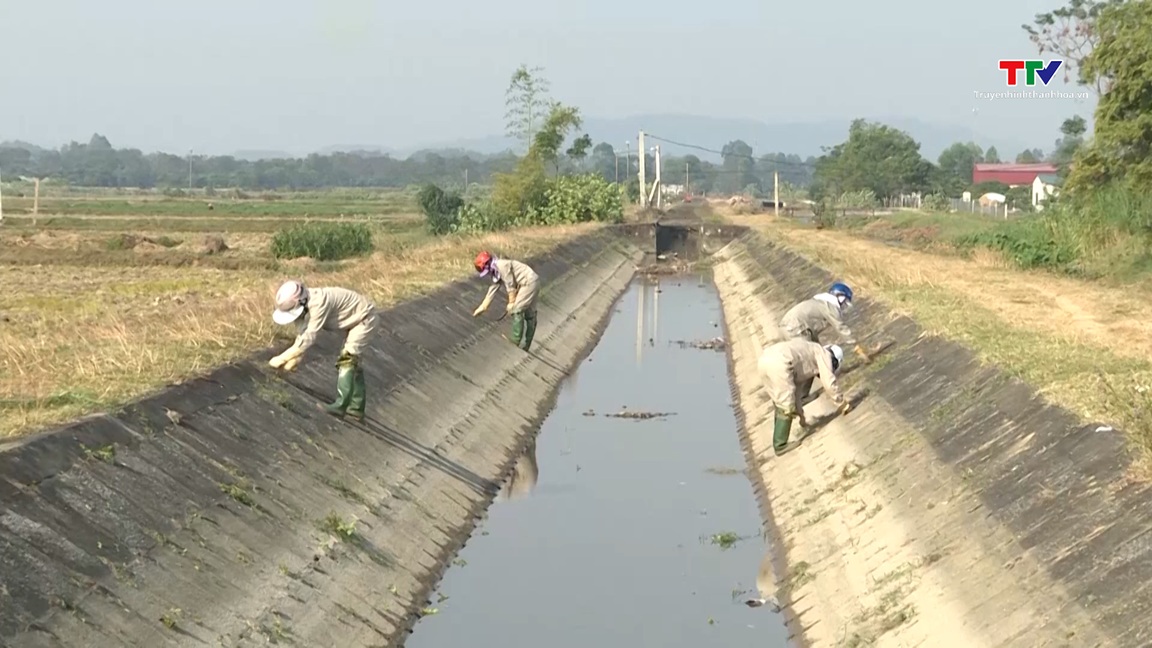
<point x="1013" y="175"/>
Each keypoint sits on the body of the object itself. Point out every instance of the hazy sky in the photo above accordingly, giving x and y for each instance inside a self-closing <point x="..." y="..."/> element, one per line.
<point x="219" y="76"/>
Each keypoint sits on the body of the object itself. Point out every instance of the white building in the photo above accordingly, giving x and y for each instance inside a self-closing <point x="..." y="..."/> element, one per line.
<point x="1044" y="186"/>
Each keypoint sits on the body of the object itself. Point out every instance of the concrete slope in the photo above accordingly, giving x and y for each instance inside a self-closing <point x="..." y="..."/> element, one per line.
<point x="229" y="511"/>
<point x="953" y="507"/>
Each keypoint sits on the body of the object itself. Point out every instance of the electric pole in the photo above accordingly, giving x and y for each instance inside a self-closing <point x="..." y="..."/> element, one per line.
<point x="189" y="171"/>
<point x="642" y="159"/>
<point x="656" y="188"/>
<point x="1" y="201"/>
<point x="686" y="191"/>
<point x="776" y="192"/>
<point x="617" y="157"/>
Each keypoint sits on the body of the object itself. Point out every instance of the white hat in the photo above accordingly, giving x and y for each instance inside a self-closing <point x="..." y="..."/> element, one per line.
<point x="290" y="301"/>
<point x="837" y="353"/>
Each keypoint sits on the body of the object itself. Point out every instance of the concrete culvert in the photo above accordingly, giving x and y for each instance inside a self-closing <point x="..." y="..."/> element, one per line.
<point x="247" y="519"/>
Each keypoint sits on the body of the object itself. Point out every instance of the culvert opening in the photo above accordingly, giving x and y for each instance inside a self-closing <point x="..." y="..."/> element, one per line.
<point x="629" y="519"/>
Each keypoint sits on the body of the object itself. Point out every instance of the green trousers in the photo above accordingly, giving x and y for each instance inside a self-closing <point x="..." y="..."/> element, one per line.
<point x="350" y="388"/>
<point x="524" y="328"/>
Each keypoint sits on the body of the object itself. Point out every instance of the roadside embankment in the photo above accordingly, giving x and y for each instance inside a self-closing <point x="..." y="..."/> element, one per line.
<point x="951" y="507"/>
<point x="229" y="511"/>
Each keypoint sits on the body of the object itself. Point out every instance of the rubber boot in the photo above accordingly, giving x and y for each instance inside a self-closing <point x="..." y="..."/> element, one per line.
<point x="345" y="377"/>
<point x="359" y="395"/>
<point x="529" y="329"/>
<point x="780" y="434"/>
<point x="518" y="326"/>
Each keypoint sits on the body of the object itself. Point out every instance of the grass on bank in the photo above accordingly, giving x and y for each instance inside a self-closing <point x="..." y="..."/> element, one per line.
<point x="75" y="339"/>
<point x="1084" y="345"/>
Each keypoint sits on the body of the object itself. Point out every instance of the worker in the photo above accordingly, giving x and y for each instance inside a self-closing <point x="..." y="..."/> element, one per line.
<point x="785" y="367"/>
<point x="811" y="317"/>
<point x="522" y="285"/>
<point x="333" y="309"/>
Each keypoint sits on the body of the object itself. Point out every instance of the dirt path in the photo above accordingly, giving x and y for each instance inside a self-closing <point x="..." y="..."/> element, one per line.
<point x="884" y="545"/>
<point x="1076" y="311"/>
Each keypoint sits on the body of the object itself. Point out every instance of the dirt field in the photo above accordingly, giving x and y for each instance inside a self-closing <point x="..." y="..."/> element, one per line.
<point x="1085" y="345"/>
<point x="102" y="310"/>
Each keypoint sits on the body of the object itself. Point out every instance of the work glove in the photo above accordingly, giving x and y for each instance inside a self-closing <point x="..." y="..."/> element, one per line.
<point x="845" y="407"/>
<point x="478" y="311"/>
<point x="863" y="354"/>
<point x="281" y="360"/>
<point x="291" y="364"/>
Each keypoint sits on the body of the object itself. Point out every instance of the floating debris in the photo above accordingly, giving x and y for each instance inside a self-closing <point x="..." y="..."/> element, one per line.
<point x="724" y="471"/>
<point x="770" y="602"/>
<point x="640" y="415"/>
<point x="715" y="344"/>
<point x="590" y="413"/>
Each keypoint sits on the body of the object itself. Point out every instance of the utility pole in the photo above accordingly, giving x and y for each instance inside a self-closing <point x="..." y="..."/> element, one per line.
<point x="1" y="200"/>
<point x="465" y="181"/>
<point x="189" y="171"/>
<point x="642" y="159"/>
<point x="776" y="192"/>
<point x="686" y="185"/>
<point x="656" y="193"/>
<point x="617" y="157"/>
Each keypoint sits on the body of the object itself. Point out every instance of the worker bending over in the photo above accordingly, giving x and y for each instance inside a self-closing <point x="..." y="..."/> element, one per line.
<point x="333" y="309"/>
<point x="787" y="366"/>
<point x="811" y="317"/>
<point x="522" y="285"/>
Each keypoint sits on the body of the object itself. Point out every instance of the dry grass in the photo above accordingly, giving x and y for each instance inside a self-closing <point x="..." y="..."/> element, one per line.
<point x="1082" y="344"/>
<point x="75" y="339"/>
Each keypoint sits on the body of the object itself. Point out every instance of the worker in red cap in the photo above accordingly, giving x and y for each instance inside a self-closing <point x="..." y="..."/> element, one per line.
<point x="522" y="284"/>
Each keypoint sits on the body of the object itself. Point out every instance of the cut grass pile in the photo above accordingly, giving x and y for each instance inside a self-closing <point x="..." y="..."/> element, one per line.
<point x="1083" y="345"/>
<point x="75" y="339"/>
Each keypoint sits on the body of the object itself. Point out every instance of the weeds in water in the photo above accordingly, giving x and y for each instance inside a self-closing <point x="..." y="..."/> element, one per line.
<point x="725" y="540"/>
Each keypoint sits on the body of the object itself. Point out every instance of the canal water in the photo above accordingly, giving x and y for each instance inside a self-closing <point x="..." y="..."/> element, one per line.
<point x="619" y="532"/>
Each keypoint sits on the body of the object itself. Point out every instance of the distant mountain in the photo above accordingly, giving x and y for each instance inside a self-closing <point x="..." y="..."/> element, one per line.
<point x="252" y="156"/>
<point x="800" y="138"/>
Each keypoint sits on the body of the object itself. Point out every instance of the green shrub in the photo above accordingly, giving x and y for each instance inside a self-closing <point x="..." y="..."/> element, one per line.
<point x="441" y="208"/>
<point x="1027" y="242"/>
<point x="936" y="203"/>
<point x="322" y="241"/>
<point x="484" y="216"/>
<point x="580" y="199"/>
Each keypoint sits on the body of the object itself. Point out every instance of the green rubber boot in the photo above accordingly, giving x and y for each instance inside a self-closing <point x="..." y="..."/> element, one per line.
<point x="529" y="329"/>
<point x="781" y="432"/>
<point x="518" y="326"/>
<point x="359" y="395"/>
<point x="345" y="377"/>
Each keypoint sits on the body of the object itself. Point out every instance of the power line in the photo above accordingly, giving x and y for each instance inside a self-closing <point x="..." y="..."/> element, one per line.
<point x="802" y="164"/>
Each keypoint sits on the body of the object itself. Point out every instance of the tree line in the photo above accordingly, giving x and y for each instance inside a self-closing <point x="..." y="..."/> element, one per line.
<point x="98" y="164"/>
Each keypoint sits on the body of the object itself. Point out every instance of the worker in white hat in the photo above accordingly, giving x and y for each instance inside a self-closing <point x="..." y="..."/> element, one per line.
<point x="333" y="309"/>
<point x="786" y="367"/>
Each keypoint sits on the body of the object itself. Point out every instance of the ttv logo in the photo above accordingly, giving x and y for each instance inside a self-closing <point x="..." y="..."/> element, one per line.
<point x="1031" y="69"/>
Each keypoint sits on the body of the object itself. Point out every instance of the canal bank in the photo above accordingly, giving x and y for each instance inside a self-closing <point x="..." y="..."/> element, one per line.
<point x="629" y="520"/>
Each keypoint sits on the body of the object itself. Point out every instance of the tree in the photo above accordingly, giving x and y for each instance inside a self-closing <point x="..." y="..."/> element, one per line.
<point x="1073" y="130"/>
<point x="1122" y="146"/>
<point x="554" y="131"/>
<point x="1030" y="156"/>
<point x="579" y="149"/>
<point x="526" y="101"/>
<point x="1071" y="32"/>
<point x="956" y="164"/>
<point x="738" y="168"/>
<point x="876" y="158"/>
<point x="992" y="156"/>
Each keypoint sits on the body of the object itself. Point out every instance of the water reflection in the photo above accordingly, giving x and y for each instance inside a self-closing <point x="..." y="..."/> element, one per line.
<point x="524" y="474"/>
<point x="767" y="582"/>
